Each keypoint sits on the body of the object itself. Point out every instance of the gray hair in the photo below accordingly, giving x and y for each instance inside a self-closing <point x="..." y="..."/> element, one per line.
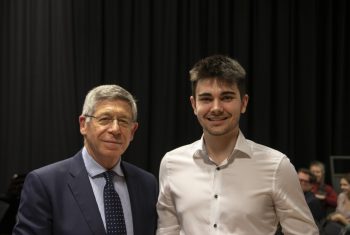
<point x="108" y="92"/>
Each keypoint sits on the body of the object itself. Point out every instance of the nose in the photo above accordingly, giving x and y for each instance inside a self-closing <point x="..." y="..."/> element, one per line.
<point x="217" y="106"/>
<point x="114" y="126"/>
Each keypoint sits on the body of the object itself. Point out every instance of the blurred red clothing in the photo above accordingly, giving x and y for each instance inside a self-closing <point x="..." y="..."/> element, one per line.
<point x="327" y="192"/>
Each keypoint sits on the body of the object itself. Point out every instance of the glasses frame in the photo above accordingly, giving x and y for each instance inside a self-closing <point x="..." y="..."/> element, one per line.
<point x="108" y="121"/>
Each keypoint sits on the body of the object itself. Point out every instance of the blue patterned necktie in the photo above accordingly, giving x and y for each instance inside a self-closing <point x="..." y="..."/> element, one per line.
<point x="115" y="222"/>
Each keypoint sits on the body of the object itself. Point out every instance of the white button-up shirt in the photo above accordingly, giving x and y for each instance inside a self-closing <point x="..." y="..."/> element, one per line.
<point x="248" y="194"/>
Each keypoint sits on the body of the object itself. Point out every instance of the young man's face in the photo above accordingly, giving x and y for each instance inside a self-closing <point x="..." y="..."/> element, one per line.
<point x="107" y="142"/>
<point x="218" y="107"/>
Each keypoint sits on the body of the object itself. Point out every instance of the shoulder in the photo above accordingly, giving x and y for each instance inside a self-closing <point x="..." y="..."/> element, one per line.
<point x="49" y="179"/>
<point x="257" y="151"/>
<point x="275" y="163"/>
<point x="267" y="156"/>
<point x="55" y="175"/>
<point x="263" y="150"/>
<point x="59" y="168"/>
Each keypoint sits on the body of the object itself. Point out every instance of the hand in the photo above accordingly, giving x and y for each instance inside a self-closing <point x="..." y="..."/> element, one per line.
<point x="337" y="217"/>
<point x="320" y="196"/>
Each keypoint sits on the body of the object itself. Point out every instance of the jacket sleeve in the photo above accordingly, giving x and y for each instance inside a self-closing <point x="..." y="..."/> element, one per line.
<point x="34" y="213"/>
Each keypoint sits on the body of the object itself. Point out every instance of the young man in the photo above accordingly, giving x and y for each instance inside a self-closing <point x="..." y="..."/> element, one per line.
<point x="224" y="183"/>
<point x="78" y="195"/>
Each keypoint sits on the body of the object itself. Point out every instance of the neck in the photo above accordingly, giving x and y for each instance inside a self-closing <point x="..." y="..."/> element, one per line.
<point x="220" y="147"/>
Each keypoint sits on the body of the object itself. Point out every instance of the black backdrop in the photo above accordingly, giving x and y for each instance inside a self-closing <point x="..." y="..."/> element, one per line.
<point x="296" y="53"/>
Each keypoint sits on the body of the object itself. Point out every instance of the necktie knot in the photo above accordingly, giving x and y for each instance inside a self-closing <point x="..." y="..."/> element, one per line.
<point x="109" y="176"/>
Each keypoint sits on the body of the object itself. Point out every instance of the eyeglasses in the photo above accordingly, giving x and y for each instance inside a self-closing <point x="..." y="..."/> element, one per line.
<point x="108" y="121"/>
<point x="304" y="181"/>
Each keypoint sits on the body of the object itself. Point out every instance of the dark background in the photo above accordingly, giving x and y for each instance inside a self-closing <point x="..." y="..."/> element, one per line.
<point x="52" y="52"/>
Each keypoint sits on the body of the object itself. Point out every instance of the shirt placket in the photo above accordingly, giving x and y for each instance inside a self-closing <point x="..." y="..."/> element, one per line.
<point x="215" y="201"/>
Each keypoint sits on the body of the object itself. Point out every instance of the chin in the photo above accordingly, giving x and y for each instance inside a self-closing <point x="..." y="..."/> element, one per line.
<point x="217" y="133"/>
<point x="113" y="152"/>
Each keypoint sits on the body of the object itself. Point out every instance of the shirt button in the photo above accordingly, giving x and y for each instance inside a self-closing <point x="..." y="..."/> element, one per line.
<point x="218" y="168"/>
<point x="216" y="196"/>
<point x="215" y="225"/>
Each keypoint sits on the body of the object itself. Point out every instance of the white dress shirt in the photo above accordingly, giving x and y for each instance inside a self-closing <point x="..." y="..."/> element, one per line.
<point x="248" y="194"/>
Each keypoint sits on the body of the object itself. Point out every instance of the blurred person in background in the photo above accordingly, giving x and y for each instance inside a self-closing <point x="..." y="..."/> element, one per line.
<point x="342" y="212"/>
<point x="307" y="179"/>
<point x="323" y="191"/>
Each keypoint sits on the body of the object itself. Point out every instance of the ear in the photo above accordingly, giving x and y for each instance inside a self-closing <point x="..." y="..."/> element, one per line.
<point x="133" y="130"/>
<point x="82" y="124"/>
<point x="193" y="104"/>
<point x="244" y="103"/>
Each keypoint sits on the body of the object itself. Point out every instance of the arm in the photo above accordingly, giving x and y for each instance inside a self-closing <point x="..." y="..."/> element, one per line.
<point x="168" y="223"/>
<point x="291" y="208"/>
<point x="337" y="217"/>
<point x="34" y="213"/>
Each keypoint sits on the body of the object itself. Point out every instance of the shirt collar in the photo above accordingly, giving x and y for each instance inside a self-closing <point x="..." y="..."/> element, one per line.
<point x="94" y="169"/>
<point x="242" y="145"/>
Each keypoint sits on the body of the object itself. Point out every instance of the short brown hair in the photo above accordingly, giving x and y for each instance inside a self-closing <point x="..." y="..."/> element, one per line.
<point x="312" y="177"/>
<point x="219" y="67"/>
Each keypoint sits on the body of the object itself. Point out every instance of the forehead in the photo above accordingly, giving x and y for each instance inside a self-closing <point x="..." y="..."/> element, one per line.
<point x="343" y="181"/>
<point x="303" y="175"/>
<point x="112" y="107"/>
<point x="315" y="168"/>
<point x="211" y="85"/>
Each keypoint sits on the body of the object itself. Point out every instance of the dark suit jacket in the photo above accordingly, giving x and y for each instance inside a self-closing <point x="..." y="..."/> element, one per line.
<point x="58" y="199"/>
<point x="316" y="207"/>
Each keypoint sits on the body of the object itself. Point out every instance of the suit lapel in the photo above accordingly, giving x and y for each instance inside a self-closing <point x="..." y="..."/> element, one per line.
<point x="134" y="193"/>
<point x="83" y="193"/>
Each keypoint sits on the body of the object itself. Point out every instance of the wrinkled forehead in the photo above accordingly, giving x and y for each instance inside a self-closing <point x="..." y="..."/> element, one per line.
<point x="113" y="104"/>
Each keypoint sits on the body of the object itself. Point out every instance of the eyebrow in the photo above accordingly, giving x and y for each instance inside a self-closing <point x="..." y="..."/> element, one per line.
<point x="223" y="93"/>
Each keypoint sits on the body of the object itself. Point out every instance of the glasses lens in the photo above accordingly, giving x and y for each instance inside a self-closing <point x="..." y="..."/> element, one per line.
<point x="106" y="121"/>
